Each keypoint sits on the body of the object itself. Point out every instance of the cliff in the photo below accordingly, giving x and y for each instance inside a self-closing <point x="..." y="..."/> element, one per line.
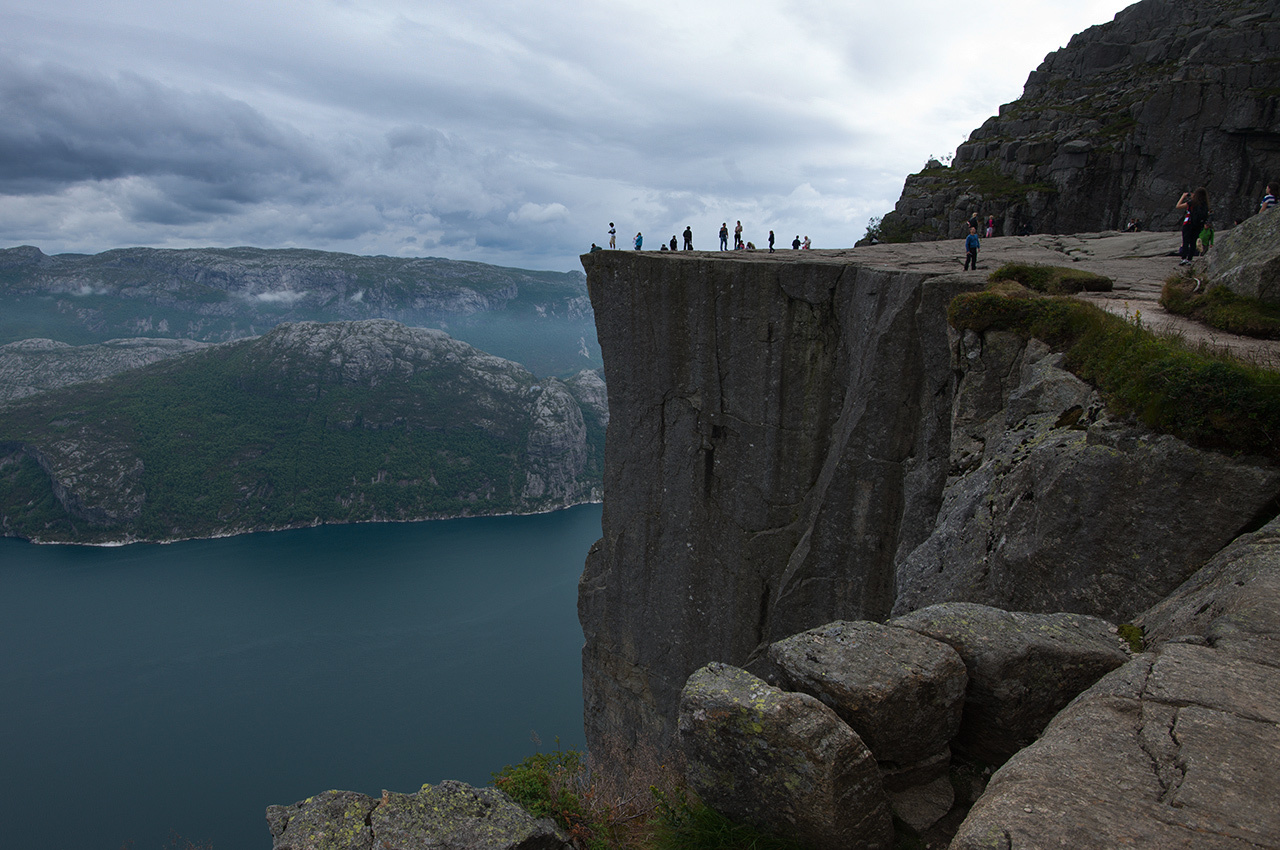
<point x="797" y="439"/>
<point x="311" y="423"/>
<point x="1116" y="125"/>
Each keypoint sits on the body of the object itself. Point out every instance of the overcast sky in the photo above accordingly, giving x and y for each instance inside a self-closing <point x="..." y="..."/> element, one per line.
<point x="499" y="131"/>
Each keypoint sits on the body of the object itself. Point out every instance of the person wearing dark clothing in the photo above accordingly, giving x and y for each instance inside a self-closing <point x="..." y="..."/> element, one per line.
<point x="724" y="236"/>
<point x="973" y="220"/>
<point x="1196" y="212"/>
<point x="971" y="245"/>
<point x="673" y="243"/>
<point x="688" y="238"/>
<point x="795" y="243"/>
<point x="770" y="241"/>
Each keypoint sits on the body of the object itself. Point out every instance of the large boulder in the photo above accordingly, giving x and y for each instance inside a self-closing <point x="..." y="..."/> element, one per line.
<point x="1023" y="668"/>
<point x="448" y="816"/>
<point x="1176" y="750"/>
<point x="1070" y="509"/>
<point x="780" y="761"/>
<point x="1233" y="602"/>
<point x="900" y="691"/>
<point x="1246" y="258"/>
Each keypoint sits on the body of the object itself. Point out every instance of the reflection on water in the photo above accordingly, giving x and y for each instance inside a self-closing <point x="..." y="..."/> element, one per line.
<point x="149" y="689"/>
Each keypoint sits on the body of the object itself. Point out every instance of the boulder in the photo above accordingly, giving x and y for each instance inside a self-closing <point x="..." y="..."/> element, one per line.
<point x="1023" y="668"/>
<point x="1175" y="750"/>
<point x="448" y="816"/>
<point x="900" y="691"/>
<point x="1246" y="259"/>
<point x="782" y="762"/>
<point x="1070" y="508"/>
<point x="1232" y="603"/>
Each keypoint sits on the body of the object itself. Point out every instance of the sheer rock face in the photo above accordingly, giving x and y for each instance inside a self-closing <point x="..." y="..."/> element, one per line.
<point x="1115" y="126"/>
<point x="778" y="431"/>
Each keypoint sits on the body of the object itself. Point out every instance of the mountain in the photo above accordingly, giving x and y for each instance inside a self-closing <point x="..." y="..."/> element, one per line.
<point x="1115" y="126"/>
<point x="540" y="319"/>
<point x="311" y="423"/>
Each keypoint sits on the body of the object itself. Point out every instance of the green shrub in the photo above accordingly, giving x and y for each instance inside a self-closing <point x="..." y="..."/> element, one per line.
<point x="1219" y="307"/>
<point x="1132" y="635"/>
<point x="1052" y="280"/>
<point x="684" y="824"/>
<point x="546" y="785"/>
<point x="1207" y="398"/>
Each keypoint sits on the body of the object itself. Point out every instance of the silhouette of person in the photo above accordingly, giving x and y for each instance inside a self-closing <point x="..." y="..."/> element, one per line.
<point x="673" y="242"/>
<point x="613" y="236"/>
<point x="724" y="236"/>
<point x="737" y="236"/>
<point x="688" y="238"/>
<point x="770" y="241"/>
<point x="795" y="243"/>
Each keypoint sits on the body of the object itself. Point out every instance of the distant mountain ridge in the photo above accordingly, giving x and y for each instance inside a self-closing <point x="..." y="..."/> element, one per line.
<point x="311" y="423"/>
<point x="540" y="319"/>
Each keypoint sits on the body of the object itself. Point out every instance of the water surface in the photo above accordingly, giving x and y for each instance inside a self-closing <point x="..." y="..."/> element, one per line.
<point x="151" y="690"/>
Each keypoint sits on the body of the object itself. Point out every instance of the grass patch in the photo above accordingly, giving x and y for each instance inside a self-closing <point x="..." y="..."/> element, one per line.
<point x="560" y="785"/>
<point x="1052" y="280"/>
<point x="992" y="184"/>
<point x="1208" y="399"/>
<point x="1219" y="307"/>
<point x="1132" y="635"/>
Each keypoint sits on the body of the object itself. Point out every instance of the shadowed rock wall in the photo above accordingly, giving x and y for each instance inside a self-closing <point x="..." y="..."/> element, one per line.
<point x="778" y="432"/>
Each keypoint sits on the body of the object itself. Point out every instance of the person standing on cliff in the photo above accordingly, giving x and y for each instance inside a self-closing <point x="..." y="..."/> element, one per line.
<point x="613" y="237"/>
<point x="991" y="226"/>
<point x="724" y="236"/>
<point x="737" y="236"/>
<point x="973" y="220"/>
<point x="795" y="243"/>
<point x="770" y="241"/>
<point x="688" y="238"/>
<point x="971" y="246"/>
<point x="1196" y="212"/>
<point x="639" y="241"/>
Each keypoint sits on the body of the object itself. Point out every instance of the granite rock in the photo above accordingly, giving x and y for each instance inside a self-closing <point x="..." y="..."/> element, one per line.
<point x="782" y="762"/>
<point x="1023" y="669"/>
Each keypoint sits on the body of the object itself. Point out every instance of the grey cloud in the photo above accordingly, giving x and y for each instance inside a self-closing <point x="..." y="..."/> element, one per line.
<point x="63" y="127"/>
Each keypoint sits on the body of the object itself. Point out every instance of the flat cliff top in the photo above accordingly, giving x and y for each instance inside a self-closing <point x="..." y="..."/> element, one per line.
<point x="1138" y="263"/>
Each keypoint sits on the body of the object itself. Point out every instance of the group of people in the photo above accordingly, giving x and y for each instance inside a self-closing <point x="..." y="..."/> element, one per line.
<point x="738" y="243"/>
<point x="1197" y="226"/>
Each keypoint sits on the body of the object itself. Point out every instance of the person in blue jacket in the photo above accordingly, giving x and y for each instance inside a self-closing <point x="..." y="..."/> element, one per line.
<point x="971" y="245"/>
<point x="639" y="241"/>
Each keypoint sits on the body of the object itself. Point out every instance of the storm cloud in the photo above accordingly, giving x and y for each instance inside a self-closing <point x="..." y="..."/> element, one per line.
<point x="484" y="130"/>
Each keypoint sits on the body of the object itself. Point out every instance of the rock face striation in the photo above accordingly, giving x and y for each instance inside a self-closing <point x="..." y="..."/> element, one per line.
<point x="800" y="440"/>
<point x="778" y="432"/>
<point x="33" y="366"/>
<point x="1115" y="126"/>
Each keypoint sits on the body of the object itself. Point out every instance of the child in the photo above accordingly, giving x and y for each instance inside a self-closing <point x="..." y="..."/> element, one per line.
<point x="971" y="246"/>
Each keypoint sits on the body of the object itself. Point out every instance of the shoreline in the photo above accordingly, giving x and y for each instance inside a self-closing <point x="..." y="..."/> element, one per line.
<point x="114" y="544"/>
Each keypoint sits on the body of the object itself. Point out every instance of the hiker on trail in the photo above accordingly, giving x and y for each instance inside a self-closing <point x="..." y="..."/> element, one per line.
<point x="1196" y="207"/>
<point x="971" y="245"/>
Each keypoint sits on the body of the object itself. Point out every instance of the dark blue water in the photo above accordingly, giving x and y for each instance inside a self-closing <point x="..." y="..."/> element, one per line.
<point x="147" y="691"/>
